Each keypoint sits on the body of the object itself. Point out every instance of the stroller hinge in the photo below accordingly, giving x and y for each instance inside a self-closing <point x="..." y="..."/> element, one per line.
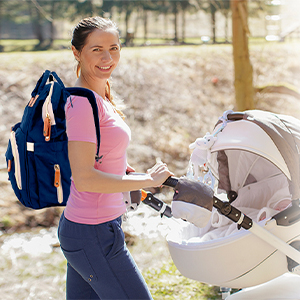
<point x="235" y="215"/>
<point x="288" y="216"/>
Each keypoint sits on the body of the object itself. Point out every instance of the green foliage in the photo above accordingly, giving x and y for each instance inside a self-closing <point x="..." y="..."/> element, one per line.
<point x="6" y="222"/>
<point x="168" y="284"/>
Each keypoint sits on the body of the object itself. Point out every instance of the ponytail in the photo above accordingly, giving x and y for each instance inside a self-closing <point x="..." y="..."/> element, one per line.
<point x="109" y="96"/>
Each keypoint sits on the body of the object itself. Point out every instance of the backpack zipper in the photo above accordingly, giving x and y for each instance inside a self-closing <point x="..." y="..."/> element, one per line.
<point x="15" y="152"/>
<point x="47" y="120"/>
<point x="57" y="183"/>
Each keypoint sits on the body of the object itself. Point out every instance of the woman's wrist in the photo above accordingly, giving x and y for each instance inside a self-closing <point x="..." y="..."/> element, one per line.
<point x="139" y="180"/>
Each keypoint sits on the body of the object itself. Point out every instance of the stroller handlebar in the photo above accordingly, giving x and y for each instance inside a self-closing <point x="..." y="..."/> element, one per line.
<point x="225" y="208"/>
<point x="171" y="182"/>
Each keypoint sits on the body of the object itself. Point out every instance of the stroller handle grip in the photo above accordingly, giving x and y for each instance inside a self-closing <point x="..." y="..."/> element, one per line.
<point x="171" y="181"/>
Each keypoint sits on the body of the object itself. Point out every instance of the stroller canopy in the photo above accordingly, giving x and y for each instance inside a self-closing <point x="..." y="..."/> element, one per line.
<point x="271" y="136"/>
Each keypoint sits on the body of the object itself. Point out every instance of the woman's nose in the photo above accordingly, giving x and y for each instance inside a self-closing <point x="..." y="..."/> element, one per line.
<point x="106" y="55"/>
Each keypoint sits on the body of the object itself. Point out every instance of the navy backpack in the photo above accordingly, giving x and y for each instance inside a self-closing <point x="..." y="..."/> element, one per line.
<point x="37" y="152"/>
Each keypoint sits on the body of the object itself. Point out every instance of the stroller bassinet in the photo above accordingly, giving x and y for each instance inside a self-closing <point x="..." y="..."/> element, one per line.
<point x="255" y="159"/>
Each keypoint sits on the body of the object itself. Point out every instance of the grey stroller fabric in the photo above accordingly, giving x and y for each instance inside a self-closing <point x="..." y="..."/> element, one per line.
<point x="136" y="196"/>
<point x="192" y="202"/>
<point x="132" y="199"/>
<point x="284" y="132"/>
<point x="194" y="192"/>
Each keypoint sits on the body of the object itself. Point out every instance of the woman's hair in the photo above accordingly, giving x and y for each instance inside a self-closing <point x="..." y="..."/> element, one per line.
<point x="80" y="34"/>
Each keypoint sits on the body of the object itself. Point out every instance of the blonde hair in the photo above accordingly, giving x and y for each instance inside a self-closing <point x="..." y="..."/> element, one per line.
<point x="80" y="34"/>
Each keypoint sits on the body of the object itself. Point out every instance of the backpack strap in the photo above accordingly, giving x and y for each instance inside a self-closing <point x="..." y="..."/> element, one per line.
<point x="41" y="83"/>
<point x="47" y="75"/>
<point x="83" y="92"/>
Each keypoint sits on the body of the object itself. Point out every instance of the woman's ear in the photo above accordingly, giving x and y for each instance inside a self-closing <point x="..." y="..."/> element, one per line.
<point x="76" y="53"/>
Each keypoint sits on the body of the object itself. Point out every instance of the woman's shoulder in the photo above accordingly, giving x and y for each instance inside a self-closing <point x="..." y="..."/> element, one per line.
<point x="82" y="103"/>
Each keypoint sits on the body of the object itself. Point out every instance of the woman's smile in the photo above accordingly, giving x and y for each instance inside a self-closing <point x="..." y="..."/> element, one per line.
<point x="104" y="68"/>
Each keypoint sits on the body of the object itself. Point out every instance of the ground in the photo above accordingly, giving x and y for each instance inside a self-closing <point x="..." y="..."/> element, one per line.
<point x="172" y="95"/>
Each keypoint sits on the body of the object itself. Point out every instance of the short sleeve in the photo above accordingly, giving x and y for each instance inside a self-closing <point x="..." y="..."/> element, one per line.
<point x="80" y="120"/>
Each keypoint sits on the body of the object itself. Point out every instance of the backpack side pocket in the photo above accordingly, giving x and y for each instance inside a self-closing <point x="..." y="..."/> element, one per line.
<point x="11" y="169"/>
<point x="15" y="152"/>
<point x="53" y="173"/>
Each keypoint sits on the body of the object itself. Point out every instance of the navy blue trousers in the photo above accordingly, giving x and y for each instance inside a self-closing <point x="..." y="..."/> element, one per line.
<point x="99" y="263"/>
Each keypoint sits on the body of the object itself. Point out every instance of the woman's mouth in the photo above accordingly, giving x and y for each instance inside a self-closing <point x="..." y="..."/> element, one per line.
<point x="106" y="68"/>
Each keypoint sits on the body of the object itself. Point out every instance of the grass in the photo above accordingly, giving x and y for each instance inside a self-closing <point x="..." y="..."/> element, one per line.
<point x="32" y="45"/>
<point x="168" y="284"/>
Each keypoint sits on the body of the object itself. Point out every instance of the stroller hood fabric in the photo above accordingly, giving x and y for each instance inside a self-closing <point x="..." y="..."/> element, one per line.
<point x="283" y="131"/>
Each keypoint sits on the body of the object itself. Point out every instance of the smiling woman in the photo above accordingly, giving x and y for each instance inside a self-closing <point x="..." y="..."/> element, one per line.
<point x="90" y="233"/>
<point x="101" y="53"/>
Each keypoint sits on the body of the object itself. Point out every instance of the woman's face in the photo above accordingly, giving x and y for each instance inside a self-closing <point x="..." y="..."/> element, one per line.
<point x="100" y="55"/>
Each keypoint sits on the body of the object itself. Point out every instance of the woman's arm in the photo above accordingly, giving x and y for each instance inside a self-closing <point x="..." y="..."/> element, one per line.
<point x="88" y="179"/>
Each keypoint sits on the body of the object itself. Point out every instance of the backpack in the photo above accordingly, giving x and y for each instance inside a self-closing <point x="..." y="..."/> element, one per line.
<point x="37" y="152"/>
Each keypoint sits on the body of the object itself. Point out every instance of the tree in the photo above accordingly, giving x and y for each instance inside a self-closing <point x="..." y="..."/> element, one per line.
<point x="225" y="10"/>
<point x="185" y="6"/>
<point x="1" y="16"/>
<point x="175" y="12"/>
<point x="147" y="6"/>
<point x="127" y="6"/>
<point x="243" y="72"/>
<point x="212" y="6"/>
<point x="35" y="13"/>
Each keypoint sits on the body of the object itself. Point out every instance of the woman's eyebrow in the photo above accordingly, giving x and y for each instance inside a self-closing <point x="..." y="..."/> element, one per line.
<point x="98" y="46"/>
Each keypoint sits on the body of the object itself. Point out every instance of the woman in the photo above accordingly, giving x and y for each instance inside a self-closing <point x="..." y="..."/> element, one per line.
<point x="99" y="264"/>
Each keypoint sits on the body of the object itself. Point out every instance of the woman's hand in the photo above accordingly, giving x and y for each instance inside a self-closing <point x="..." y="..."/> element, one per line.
<point x="159" y="173"/>
<point x="129" y="169"/>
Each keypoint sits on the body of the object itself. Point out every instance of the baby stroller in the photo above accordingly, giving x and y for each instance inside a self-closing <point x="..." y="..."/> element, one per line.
<point x="255" y="158"/>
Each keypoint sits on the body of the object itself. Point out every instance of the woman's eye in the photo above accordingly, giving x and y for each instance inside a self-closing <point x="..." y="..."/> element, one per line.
<point x="115" y="48"/>
<point x="96" y="50"/>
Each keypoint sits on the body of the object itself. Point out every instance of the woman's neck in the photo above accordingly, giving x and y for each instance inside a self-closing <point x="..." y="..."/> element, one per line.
<point x="96" y="86"/>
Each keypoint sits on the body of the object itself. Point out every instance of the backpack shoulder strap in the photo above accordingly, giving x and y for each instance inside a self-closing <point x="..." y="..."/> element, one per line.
<point x="83" y="92"/>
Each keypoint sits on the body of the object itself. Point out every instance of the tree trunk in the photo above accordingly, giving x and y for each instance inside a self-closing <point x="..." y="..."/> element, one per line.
<point x="145" y="12"/>
<point x="127" y="16"/>
<point x="175" y="11"/>
<point x="213" y="21"/>
<point x="226" y="27"/>
<point x="36" y="22"/>
<point x="242" y="66"/>
<point x="183" y="25"/>
<point x="1" y="47"/>
<point x="52" y="29"/>
<point x="166" y="33"/>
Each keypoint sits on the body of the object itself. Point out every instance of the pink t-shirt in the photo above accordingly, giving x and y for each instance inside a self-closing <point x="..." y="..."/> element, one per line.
<point x="89" y="207"/>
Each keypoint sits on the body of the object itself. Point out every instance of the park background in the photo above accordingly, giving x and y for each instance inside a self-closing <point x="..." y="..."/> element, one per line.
<point x="176" y="77"/>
